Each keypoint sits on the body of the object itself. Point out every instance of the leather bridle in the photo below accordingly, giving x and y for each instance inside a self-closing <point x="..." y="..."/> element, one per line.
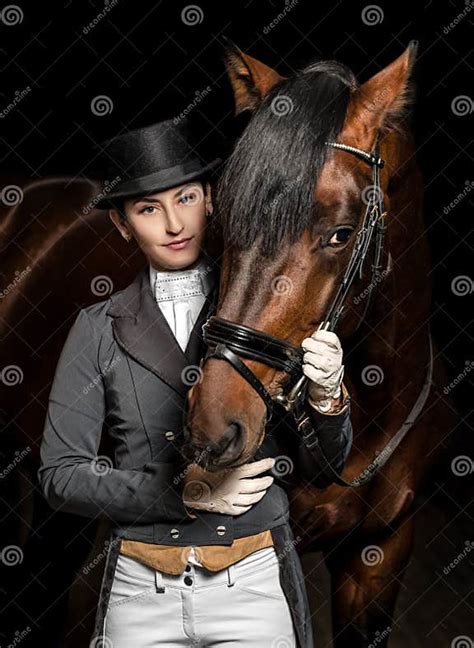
<point x="228" y="340"/>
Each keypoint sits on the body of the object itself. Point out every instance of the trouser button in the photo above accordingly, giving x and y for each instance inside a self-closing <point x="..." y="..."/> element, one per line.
<point x="188" y="580"/>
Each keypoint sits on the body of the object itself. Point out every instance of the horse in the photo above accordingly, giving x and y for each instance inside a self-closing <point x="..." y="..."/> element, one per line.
<point x="290" y="203"/>
<point x="59" y="254"/>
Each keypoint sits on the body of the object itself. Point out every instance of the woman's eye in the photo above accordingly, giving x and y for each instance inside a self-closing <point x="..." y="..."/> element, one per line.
<point x="145" y="210"/>
<point x="340" y="237"/>
<point x="187" y="198"/>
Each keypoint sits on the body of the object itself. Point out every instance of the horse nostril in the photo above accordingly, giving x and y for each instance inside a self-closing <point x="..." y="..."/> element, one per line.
<point x="230" y="446"/>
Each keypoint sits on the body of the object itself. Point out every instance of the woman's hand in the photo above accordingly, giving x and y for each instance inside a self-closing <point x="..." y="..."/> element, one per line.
<point x="232" y="491"/>
<point x="322" y="364"/>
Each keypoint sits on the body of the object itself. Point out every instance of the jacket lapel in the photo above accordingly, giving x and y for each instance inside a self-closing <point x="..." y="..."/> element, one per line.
<point x="142" y="330"/>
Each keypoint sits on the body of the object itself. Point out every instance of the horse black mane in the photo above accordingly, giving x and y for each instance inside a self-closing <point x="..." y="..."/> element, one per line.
<point x="267" y="187"/>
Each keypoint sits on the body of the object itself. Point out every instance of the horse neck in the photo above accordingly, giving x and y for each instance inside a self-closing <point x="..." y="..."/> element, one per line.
<point x="400" y="304"/>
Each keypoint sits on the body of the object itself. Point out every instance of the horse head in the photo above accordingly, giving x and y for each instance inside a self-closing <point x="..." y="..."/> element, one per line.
<point x="291" y="206"/>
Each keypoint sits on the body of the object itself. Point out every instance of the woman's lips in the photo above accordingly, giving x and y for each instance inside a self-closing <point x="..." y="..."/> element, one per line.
<point x="179" y="245"/>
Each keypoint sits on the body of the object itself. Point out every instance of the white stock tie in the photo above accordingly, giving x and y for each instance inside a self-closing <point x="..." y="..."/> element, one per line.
<point x="180" y="296"/>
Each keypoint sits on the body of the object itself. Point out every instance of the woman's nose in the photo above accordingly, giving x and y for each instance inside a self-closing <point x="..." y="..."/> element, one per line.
<point x="173" y="225"/>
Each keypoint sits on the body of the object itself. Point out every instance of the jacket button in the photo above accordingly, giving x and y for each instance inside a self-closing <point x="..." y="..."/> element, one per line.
<point x="221" y="529"/>
<point x="174" y="533"/>
<point x="169" y="435"/>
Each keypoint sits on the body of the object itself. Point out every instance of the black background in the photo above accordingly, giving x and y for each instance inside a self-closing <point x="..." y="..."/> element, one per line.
<point x="150" y="64"/>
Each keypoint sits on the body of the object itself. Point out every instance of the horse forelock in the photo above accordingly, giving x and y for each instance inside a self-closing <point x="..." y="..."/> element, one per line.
<point x="266" y="191"/>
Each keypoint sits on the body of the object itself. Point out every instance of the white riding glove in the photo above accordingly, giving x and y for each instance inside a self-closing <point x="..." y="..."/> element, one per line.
<point x="322" y="364"/>
<point x="230" y="491"/>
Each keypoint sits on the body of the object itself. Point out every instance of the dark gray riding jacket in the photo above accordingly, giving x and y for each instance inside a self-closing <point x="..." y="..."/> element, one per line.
<point x="120" y="374"/>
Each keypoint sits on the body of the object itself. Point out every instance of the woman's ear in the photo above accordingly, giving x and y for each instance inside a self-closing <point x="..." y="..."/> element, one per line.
<point x="208" y="199"/>
<point x="120" y="224"/>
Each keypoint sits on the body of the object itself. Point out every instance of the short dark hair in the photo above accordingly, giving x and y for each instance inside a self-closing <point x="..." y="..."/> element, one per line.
<point x="119" y="205"/>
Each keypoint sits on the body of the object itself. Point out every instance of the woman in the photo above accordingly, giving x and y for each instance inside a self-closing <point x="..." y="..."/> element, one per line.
<point x="184" y="566"/>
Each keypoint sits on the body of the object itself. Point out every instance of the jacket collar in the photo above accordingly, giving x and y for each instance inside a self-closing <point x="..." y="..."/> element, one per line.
<point x="142" y="330"/>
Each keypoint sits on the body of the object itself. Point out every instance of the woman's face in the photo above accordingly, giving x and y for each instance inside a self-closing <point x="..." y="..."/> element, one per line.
<point x="159" y="221"/>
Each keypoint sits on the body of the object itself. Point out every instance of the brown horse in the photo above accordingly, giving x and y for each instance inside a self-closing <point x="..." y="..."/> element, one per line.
<point x="58" y="255"/>
<point x="289" y="208"/>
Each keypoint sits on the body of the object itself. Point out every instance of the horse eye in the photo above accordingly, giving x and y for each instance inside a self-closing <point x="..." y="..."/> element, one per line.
<point x="340" y="237"/>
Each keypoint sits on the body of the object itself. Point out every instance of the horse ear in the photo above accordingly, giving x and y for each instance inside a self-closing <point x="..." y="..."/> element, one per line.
<point x="383" y="99"/>
<point x="250" y="79"/>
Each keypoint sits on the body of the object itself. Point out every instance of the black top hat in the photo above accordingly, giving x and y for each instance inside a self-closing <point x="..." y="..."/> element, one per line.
<point x="150" y="159"/>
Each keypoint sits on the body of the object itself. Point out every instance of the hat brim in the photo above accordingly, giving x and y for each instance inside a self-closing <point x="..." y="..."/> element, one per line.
<point x="152" y="184"/>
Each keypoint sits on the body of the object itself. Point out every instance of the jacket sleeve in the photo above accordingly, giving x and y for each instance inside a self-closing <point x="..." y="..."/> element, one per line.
<point x="334" y="436"/>
<point x="72" y="478"/>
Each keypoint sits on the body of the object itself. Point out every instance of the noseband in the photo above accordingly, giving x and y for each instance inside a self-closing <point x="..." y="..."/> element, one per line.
<point x="228" y="340"/>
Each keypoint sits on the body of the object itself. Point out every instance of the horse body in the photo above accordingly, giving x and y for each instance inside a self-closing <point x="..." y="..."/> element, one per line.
<point x="58" y="255"/>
